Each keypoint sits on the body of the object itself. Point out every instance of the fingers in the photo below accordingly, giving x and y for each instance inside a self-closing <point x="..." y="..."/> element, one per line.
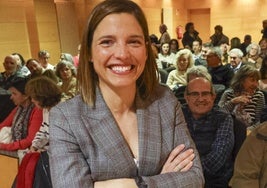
<point x="187" y="163"/>
<point x="187" y="167"/>
<point x="175" y="152"/>
<point x="179" y="160"/>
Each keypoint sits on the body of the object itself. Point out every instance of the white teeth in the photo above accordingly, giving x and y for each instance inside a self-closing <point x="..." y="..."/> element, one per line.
<point x="121" y="68"/>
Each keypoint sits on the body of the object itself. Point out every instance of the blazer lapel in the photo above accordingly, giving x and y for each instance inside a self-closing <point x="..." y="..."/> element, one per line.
<point x="150" y="139"/>
<point x="108" y="137"/>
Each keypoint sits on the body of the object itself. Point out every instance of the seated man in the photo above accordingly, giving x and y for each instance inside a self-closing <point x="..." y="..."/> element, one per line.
<point x="221" y="74"/>
<point x="212" y="131"/>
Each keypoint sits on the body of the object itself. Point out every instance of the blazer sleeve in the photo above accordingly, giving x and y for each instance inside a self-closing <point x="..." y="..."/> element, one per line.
<point x="192" y="178"/>
<point x="35" y="122"/>
<point x="63" y="143"/>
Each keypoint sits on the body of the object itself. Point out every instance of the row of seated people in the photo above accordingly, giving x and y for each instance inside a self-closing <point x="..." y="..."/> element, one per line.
<point x="26" y="112"/>
<point x="216" y="152"/>
<point x="217" y="145"/>
<point x="64" y="73"/>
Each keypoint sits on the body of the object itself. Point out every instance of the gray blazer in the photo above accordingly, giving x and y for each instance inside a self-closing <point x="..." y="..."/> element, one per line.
<point x="86" y="144"/>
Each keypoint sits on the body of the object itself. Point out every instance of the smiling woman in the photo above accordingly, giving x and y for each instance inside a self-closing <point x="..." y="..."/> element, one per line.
<point x="243" y="98"/>
<point x="124" y="129"/>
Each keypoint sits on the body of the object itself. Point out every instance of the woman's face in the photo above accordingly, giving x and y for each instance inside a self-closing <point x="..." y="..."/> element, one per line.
<point x="119" y="51"/>
<point x="250" y="85"/>
<point x="253" y="51"/>
<point x="182" y="63"/>
<point x="17" y="97"/>
<point x="165" y="48"/>
<point x="65" y="73"/>
<point x="263" y="44"/>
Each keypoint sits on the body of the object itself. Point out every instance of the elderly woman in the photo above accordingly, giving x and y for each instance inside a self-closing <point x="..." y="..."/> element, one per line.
<point x="253" y="55"/>
<point x="243" y="99"/>
<point x="177" y="77"/>
<point x="66" y="71"/>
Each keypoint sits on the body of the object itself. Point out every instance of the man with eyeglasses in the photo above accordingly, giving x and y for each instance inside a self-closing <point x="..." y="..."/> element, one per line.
<point x="221" y="74"/>
<point x="235" y="56"/>
<point x="212" y="131"/>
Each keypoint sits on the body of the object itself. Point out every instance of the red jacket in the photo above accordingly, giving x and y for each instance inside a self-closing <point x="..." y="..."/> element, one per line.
<point x="35" y="122"/>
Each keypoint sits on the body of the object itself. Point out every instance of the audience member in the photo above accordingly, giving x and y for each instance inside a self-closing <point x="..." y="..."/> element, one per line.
<point x="250" y="168"/>
<point x="235" y="57"/>
<point x="21" y="63"/>
<point x="66" y="56"/>
<point x="45" y="94"/>
<point x="165" y="36"/>
<point x="247" y="41"/>
<point x="121" y="101"/>
<point x="243" y="99"/>
<point x="11" y="72"/>
<point x="166" y="59"/>
<point x="154" y="44"/>
<point x="177" y="77"/>
<point x="253" y="55"/>
<point x="235" y="42"/>
<point x="43" y="57"/>
<point x="202" y="60"/>
<point x="212" y="131"/>
<point x="218" y="37"/>
<point x="220" y="74"/>
<point x="174" y="46"/>
<point x="76" y="57"/>
<point x="35" y="67"/>
<point x="190" y="35"/>
<point x="264" y="29"/>
<point x="196" y="48"/>
<point x="66" y="71"/>
<point x="25" y="120"/>
<point x="263" y="75"/>
<point x="263" y="45"/>
<point x="225" y="56"/>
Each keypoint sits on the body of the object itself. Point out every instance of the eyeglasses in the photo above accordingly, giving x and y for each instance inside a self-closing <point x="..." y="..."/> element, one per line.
<point x="195" y="94"/>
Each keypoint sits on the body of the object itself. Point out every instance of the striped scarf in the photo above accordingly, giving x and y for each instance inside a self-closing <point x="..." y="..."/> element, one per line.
<point x="20" y="122"/>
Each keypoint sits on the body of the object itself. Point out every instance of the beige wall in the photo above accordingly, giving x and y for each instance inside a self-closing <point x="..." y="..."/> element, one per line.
<point x="57" y="25"/>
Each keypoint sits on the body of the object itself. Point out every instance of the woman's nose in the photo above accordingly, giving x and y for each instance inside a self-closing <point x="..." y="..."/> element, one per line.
<point x="121" y="51"/>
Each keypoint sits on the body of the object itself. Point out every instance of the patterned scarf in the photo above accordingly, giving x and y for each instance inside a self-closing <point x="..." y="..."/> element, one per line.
<point x="20" y="122"/>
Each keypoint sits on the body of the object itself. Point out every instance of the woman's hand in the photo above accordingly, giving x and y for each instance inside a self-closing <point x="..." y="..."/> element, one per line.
<point x="243" y="99"/>
<point x="179" y="160"/>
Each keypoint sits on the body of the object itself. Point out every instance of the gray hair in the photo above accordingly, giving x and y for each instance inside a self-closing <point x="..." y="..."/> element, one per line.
<point x="198" y="71"/>
<point x="254" y="45"/>
<point x="237" y="52"/>
<point x="217" y="51"/>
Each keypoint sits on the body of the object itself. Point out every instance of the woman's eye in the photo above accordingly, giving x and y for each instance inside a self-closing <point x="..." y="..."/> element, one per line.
<point x="135" y="43"/>
<point x="106" y="42"/>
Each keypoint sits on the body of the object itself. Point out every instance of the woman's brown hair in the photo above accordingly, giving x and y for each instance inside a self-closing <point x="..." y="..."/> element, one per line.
<point x="44" y="90"/>
<point x="87" y="79"/>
